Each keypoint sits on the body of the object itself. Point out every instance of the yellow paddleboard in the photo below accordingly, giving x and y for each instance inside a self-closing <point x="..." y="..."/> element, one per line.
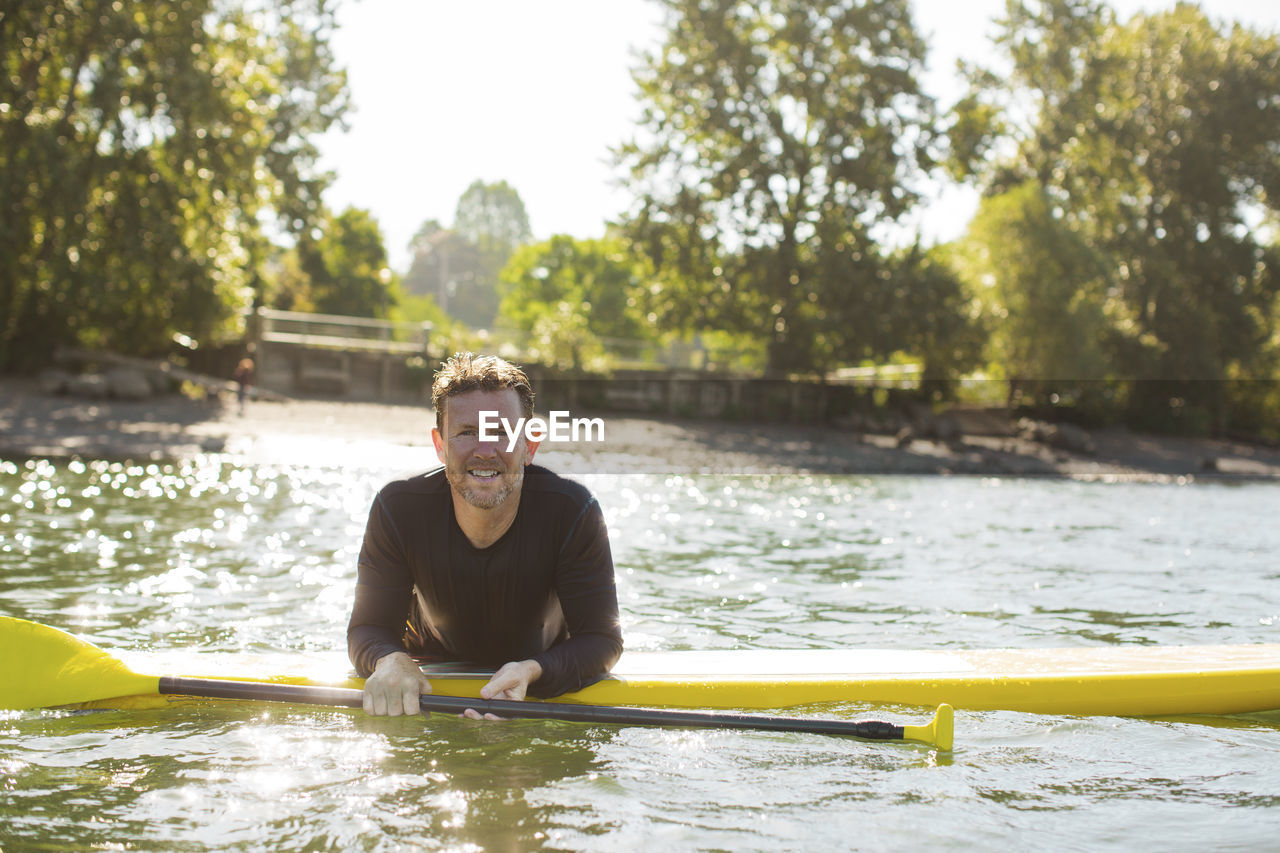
<point x="1108" y="680"/>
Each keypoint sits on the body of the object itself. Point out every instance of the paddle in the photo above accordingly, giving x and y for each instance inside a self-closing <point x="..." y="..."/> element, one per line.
<point x="44" y="667"/>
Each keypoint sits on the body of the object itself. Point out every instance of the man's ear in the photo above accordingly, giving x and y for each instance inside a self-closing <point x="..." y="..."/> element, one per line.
<point x="531" y="447"/>
<point x="438" y="440"/>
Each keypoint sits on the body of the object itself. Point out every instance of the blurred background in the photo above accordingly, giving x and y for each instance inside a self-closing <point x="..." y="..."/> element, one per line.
<point x="930" y="219"/>
<point x="1062" y="206"/>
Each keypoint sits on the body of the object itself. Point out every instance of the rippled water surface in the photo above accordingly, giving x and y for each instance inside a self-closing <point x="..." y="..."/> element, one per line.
<point x="215" y="556"/>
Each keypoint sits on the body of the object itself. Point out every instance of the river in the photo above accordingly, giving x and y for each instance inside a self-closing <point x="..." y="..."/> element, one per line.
<point x="217" y="555"/>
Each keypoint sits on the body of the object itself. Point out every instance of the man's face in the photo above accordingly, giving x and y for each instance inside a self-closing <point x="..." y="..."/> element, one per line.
<point x="482" y="473"/>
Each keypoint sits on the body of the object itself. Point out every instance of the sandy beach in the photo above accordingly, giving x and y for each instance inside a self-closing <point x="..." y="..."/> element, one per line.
<point x="173" y="427"/>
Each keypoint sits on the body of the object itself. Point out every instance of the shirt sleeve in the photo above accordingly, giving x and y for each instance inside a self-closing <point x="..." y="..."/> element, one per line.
<point x="384" y="589"/>
<point x="584" y="583"/>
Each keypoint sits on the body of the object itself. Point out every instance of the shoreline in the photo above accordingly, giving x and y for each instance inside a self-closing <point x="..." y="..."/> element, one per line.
<point x="176" y="428"/>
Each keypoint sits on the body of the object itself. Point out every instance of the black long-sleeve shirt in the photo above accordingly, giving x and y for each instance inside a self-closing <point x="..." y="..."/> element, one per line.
<point x="544" y="590"/>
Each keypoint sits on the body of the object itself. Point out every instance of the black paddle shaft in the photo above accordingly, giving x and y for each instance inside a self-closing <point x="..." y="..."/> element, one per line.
<point x="211" y="688"/>
<point x="866" y="729"/>
<point x="348" y="698"/>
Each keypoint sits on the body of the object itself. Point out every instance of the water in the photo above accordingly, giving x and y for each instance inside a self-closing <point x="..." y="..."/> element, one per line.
<point x="226" y="557"/>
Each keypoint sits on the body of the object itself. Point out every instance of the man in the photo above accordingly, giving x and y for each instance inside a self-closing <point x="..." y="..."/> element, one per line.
<point x="244" y="379"/>
<point x="492" y="560"/>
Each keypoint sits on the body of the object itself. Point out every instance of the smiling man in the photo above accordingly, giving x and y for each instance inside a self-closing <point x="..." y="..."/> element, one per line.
<point x="491" y="560"/>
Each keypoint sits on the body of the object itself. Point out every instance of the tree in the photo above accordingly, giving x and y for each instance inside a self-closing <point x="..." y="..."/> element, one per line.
<point x="285" y="285"/>
<point x="453" y="271"/>
<point x="1045" y="292"/>
<point x="423" y="279"/>
<point x="346" y="263"/>
<point x="144" y="150"/>
<point x="411" y="308"/>
<point x="599" y="279"/>
<point x="775" y="138"/>
<point x="943" y="324"/>
<point x="560" y="339"/>
<point x="459" y="267"/>
<point x="492" y="217"/>
<point x="422" y="238"/>
<point x="1157" y="139"/>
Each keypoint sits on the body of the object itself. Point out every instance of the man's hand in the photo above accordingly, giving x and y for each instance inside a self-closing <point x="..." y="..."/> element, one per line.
<point x="510" y="682"/>
<point x="394" y="687"/>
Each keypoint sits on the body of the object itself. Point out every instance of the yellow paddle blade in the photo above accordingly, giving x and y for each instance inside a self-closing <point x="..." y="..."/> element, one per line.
<point x="940" y="732"/>
<point x="41" y="667"/>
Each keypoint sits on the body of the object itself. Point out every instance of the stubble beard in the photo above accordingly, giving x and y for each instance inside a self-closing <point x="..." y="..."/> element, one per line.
<point x="508" y="483"/>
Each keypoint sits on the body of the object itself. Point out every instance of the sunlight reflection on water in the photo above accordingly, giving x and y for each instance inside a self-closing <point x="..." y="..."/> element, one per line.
<point x="221" y="555"/>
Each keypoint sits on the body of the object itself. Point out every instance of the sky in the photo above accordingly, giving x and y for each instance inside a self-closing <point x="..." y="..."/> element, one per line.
<point x="537" y="94"/>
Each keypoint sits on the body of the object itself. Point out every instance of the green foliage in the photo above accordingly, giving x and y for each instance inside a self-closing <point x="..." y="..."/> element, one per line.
<point x="1157" y="140"/>
<point x="775" y="137"/>
<point x="143" y="148"/>
<point x="454" y="272"/>
<point x="562" y="339"/>
<point x="426" y="232"/>
<point x="1044" y="292"/>
<point x="733" y="352"/>
<point x="423" y="277"/>
<point x="412" y="308"/>
<point x="492" y="217"/>
<point x="598" y="278"/>
<point x="974" y="126"/>
<point x="935" y="316"/>
<point x="460" y="267"/>
<point x="345" y="261"/>
<point x="285" y="285"/>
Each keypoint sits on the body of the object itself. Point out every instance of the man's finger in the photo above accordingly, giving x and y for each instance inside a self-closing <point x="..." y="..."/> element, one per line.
<point x="409" y="698"/>
<point x="500" y="684"/>
<point x="472" y="714"/>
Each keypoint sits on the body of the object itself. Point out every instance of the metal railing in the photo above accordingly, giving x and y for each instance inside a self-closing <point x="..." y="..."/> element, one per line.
<point x="333" y="331"/>
<point x="879" y="376"/>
